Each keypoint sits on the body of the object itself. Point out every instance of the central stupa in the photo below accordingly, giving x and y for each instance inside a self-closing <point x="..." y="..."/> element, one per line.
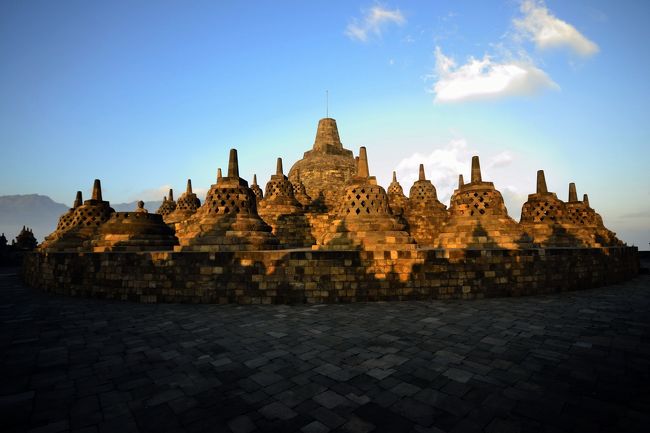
<point x="326" y="169"/>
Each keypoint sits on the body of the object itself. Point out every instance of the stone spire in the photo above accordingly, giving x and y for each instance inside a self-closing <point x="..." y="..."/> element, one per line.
<point x="585" y="200"/>
<point x="97" y="191"/>
<point x="573" y="195"/>
<point x="233" y="164"/>
<point x="278" y="167"/>
<point x="219" y="176"/>
<point x="541" y="182"/>
<point x="327" y="136"/>
<point x="77" y="201"/>
<point x="461" y="181"/>
<point x="170" y="195"/>
<point x="188" y="190"/>
<point x="421" y="175"/>
<point x="362" y="167"/>
<point x="394" y="177"/>
<point x="476" y="170"/>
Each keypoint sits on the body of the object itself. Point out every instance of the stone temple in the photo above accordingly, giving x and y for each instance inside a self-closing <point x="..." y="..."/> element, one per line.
<point x="327" y="232"/>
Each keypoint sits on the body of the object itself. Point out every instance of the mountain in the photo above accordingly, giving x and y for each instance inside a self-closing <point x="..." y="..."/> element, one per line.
<point x="41" y="213"/>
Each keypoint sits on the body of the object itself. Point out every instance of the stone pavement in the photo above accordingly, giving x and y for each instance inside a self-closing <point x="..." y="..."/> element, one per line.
<point x="577" y="361"/>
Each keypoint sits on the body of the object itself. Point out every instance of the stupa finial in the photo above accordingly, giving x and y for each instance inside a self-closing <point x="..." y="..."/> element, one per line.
<point x="97" y="190"/>
<point x="327" y="135"/>
<point x="421" y="173"/>
<point x="189" y="186"/>
<point x="541" y="182"/>
<point x="461" y="181"/>
<point x="254" y="179"/>
<point x="476" y="170"/>
<point x="585" y="199"/>
<point x="394" y="177"/>
<point x="171" y="195"/>
<point x="573" y="195"/>
<point x="362" y="169"/>
<point x="78" y="200"/>
<point x="278" y="167"/>
<point x="219" y="175"/>
<point x="233" y="164"/>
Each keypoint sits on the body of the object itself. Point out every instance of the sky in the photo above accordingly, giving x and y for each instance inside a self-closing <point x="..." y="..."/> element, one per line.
<point x="144" y="95"/>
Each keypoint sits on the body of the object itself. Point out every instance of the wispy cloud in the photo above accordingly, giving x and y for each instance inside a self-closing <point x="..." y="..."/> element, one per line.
<point x="486" y="79"/>
<point x="501" y="159"/>
<point x="372" y="23"/>
<point x="547" y="31"/>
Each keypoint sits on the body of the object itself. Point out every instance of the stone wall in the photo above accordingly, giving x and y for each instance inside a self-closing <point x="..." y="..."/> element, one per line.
<point x="297" y="276"/>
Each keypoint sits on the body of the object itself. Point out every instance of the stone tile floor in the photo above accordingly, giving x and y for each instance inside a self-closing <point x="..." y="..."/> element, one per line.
<point x="577" y="361"/>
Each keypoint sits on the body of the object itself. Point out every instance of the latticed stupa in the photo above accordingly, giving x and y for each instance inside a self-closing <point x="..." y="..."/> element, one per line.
<point x="25" y="240"/>
<point x="478" y="218"/>
<point x="186" y="206"/>
<point x="84" y="224"/>
<point x="259" y="195"/>
<point x="327" y="168"/>
<point x="283" y="212"/>
<point x="134" y="231"/>
<point x="364" y="219"/>
<point x="168" y="204"/>
<point x="228" y="219"/>
<point x="396" y="198"/>
<point x="65" y="222"/>
<point x="543" y="217"/>
<point x="425" y="214"/>
<point x="583" y="223"/>
<point x="300" y="192"/>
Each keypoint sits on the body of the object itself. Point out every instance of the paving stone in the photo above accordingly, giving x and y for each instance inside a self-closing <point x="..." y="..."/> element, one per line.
<point x="315" y="427"/>
<point x="577" y="361"/>
<point x="241" y="424"/>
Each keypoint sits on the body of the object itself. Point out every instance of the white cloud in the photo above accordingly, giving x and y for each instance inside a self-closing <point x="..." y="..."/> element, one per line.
<point x="372" y="22"/>
<point x="486" y="79"/>
<point x="501" y="159"/>
<point x="548" y="31"/>
<point x="442" y="167"/>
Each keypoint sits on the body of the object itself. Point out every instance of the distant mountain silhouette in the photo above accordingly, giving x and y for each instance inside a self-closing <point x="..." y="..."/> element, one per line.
<point x="41" y="213"/>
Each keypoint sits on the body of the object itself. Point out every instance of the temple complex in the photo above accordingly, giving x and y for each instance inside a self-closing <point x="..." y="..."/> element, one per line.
<point x="329" y="233"/>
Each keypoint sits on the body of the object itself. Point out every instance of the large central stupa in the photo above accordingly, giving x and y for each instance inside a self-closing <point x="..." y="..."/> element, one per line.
<point x="326" y="169"/>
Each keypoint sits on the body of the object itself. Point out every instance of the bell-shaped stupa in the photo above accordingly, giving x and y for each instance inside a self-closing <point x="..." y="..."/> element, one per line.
<point x="326" y="169"/>
<point x="259" y="195"/>
<point x="83" y="225"/>
<point x="186" y="206"/>
<point x="364" y="219"/>
<point x="583" y="223"/>
<point x="542" y="216"/>
<point x="168" y="204"/>
<point x="65" y="222"/>
<point x="284" y="213"/>
<point x="396" y="198"/>
<point x="134" y="231"/>
<point x="228" y="220"/>
<point x="424" y="214"/>
<point x="478" y="218"/>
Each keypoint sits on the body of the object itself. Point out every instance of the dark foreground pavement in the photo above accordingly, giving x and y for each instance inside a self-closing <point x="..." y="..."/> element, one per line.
<point x="576" y="361"/>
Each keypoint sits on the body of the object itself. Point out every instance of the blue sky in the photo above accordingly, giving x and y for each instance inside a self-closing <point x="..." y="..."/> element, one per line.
<point x="146" y="94"/>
